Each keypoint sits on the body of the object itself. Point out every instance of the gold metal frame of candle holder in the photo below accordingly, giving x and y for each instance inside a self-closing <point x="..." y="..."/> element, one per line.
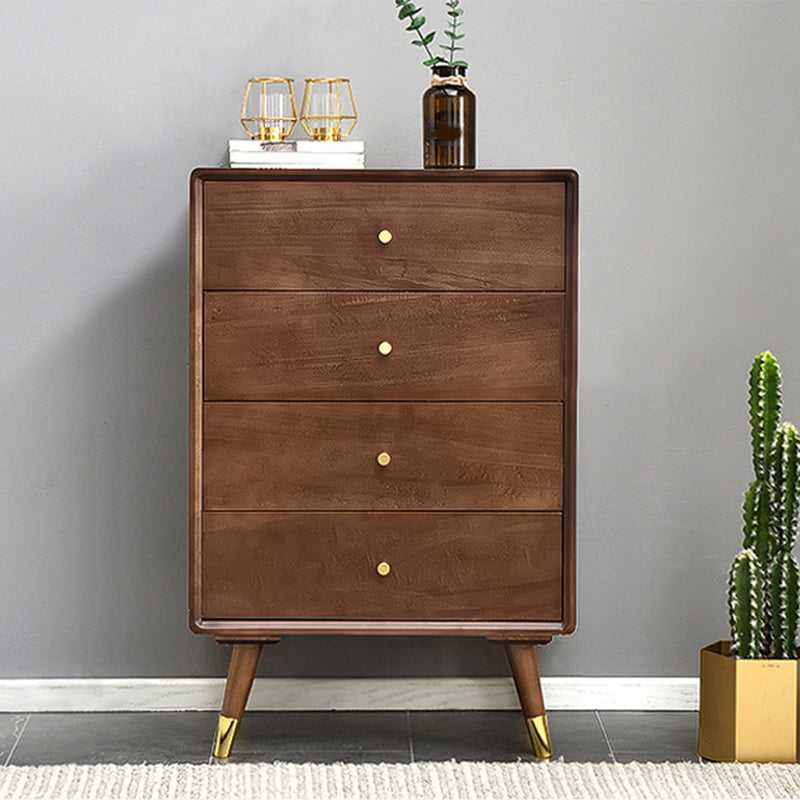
<point x="266" y="132"/>
<point x="331" y="132"/>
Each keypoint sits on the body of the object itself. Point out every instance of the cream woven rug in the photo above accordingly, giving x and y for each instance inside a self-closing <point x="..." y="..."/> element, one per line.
<point x="429" y="780"/>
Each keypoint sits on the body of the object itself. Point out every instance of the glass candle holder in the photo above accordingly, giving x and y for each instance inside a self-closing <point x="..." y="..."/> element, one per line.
<point x="328" y="105"/>
<point x="269" y="112"/>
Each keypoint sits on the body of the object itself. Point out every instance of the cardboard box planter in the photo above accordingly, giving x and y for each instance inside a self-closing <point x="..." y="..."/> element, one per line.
<point x="748" y="707"/>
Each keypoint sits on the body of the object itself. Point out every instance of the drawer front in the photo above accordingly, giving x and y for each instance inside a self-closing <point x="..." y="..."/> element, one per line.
<point x="444" y="456"/>
<point x="324" y="566"/>
<point x="324" y="346"/>
<point x="324" y="235"/>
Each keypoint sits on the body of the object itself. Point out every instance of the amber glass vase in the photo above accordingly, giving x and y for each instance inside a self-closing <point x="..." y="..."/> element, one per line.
<point x="448" y="114"/>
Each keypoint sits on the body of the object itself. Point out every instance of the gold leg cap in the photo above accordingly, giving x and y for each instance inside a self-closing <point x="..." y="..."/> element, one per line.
<point x="226" y="732"/>
<point x="539" y="732"/>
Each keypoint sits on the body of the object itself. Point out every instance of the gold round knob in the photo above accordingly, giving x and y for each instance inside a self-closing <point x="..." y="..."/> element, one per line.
<point x="384" y="459"/>
<point x="384" y="237"/>
<point x="383" y="569"/>
<point x="384" y="348"/>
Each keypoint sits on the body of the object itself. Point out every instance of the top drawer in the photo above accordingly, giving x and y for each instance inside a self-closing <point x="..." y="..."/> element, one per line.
<point x="464" y="235"/>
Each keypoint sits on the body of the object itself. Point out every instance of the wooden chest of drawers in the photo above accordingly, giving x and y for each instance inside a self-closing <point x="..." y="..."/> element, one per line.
<point x="383" y="402"/>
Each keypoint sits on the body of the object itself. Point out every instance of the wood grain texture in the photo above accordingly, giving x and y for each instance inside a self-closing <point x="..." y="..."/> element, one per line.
<point x="323" y="566"/>
<point x="525" y="671"/>
<point x="195" y="488"/>
<point x="445" y="456"/>
<point x="459" y="235"/>
<point x="241" y="671"/>
<point x="324" y="346"/>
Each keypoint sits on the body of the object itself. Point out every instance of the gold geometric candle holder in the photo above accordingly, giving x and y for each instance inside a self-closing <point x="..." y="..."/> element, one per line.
<point x="270" y="108"/>
<point x="328" y="105"/>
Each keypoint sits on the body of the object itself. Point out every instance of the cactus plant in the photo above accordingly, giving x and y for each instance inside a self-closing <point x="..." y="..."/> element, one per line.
<point x="756" y="516"/>
<point x="764" y="617"/>
<point x="765" y="410"/>
<point x="784" y="479"/>
<point x="746" y="605"/>
<point x="783" y="586"/>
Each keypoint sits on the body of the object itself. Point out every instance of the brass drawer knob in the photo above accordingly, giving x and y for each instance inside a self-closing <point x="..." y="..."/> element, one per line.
<point x="384" y="459"/>
<point x="383" y="569"/>
<point x="384" y="348"/>
<point x="384" y="237"/>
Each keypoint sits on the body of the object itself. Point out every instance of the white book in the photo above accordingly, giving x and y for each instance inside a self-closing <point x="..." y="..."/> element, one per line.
<point x="298" y="165"/>
<point x="300" y="146"/>
<point x="291" y="159"/>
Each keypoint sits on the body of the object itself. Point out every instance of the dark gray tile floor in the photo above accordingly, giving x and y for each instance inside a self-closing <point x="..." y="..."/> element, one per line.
<point x="350" y="736"/>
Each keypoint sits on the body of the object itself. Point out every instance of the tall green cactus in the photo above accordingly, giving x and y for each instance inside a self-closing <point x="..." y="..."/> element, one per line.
<point x="764" y="619"/>
<point x="786" y="489"/>
<point x="782" y="581"/>
<point x="765" y="410"/>
<point x="746" y="605"/>
<point x="783" y="586"/>
<point x="756" y="516"/>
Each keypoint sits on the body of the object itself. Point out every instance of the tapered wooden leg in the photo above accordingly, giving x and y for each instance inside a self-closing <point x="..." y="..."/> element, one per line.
<point x="242" y="670"/>
<point x="525" y="669"/>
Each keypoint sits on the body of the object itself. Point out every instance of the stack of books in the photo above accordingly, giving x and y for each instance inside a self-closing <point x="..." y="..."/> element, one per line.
<point x="348" y="154"/>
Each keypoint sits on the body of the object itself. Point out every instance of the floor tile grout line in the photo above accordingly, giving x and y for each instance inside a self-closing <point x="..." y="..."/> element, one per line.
<point x="211" y="759"/>
<point x="17" y="740"/>
<point x="605" y="736"/>
<point x="410" y="737"/>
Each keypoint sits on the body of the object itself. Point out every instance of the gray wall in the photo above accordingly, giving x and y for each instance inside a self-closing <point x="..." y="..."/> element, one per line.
<point x="682" y="120"/>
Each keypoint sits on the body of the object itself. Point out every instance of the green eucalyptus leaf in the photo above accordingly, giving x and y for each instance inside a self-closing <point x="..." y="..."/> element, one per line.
<point x="406" y="10"/>
<point x="459" y="64"/>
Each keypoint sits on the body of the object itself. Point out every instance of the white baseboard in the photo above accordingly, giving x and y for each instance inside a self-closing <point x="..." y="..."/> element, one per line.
<point x="345" y="694"/>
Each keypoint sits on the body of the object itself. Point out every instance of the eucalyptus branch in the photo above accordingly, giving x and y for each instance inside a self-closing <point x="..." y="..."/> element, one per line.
<point x="452" y="33"/>
<point x="407" y="10"/>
